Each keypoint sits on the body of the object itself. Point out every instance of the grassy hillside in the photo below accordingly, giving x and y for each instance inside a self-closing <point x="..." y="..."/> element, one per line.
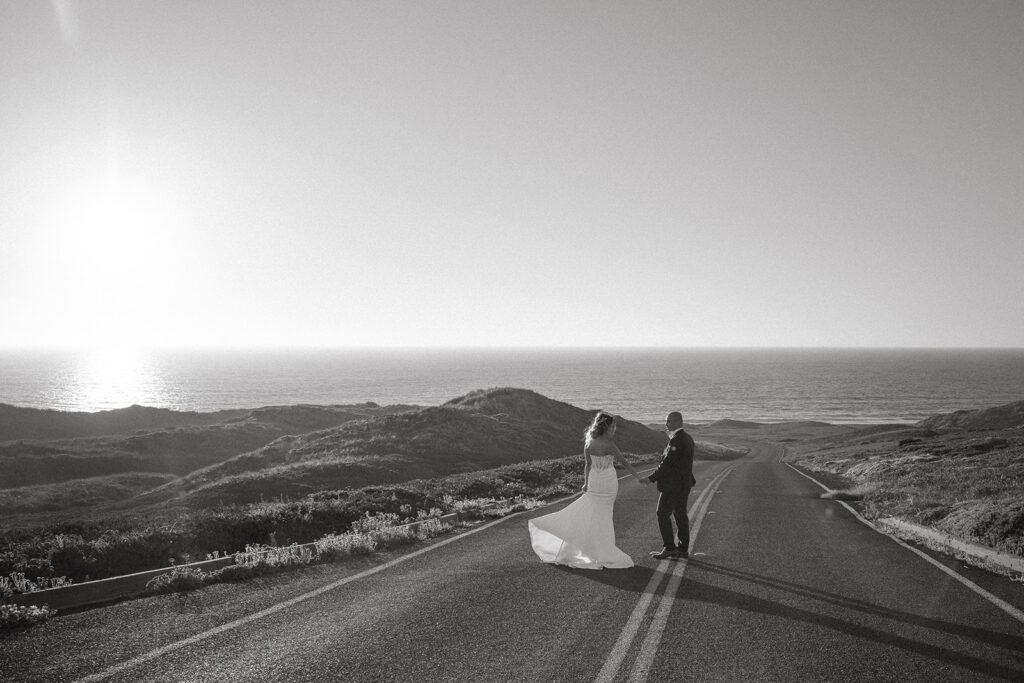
<point x="120" y="545"/>
<point x="32" y="423"/>
<point x="1000" y="417"/>
<point x="482" y="429"/>
<point x="173" y="450"/>
<point x="80" y="493"/>
<point x="498" y="443"/>
<point x="961" y="473"/>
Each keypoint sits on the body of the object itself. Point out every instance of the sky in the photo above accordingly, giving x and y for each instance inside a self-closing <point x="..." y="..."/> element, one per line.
<point x="677" y="174"/>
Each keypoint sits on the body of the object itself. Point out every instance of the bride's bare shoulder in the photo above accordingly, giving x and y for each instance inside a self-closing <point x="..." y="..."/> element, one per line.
<point x="600" y="446"/>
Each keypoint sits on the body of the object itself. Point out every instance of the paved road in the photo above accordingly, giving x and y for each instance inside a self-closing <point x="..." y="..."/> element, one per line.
<point x="781" y="586"/>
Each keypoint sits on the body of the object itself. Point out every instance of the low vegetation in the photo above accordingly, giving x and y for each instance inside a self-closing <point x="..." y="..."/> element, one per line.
<point x="957" y="473"/>
<point x="32" y="423"/>
<point x="79" y="493"/>
<point x="14" y="616"/>
<point x="483" y="429"/>
<point x="240" y="457"/>
<point x="312" y="494"/>
<point x="17" y="582"/>
<point x="183" y="578"/>
<point x="112" y="547"/>
<point x="169" y="442"/>
<point x="369" y="534"/>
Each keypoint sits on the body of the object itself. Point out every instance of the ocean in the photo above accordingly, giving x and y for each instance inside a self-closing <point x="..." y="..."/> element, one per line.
<point x="848" y="386"/>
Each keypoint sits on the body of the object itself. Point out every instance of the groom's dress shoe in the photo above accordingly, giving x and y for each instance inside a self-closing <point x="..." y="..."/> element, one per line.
<point x="667" y="554"/>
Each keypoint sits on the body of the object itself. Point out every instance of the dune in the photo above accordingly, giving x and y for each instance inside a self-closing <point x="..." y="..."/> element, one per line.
<point x="999" y="417"/>
<point x="733" y="424"/>
<point x="961" y="473"/>
<point x="33" y="423"/>
<point x="80" y="493"/>
<point x="480" y="430"/>
<point x="178" y="450"/>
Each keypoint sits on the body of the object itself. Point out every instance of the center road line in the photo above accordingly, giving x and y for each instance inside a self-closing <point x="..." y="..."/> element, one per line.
<point x="649" y="647"/>
<point x="632" y="627"/>
<point x="171" y="647"/>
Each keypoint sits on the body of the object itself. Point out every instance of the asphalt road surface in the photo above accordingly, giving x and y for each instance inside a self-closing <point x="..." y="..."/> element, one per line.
<point x="781" y="586"/>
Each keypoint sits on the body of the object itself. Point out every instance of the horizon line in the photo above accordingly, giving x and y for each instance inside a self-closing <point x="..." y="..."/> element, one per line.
<point x="524" y="347"/>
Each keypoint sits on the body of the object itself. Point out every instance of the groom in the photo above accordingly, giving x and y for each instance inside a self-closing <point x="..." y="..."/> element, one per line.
<point x="674" y="478"/>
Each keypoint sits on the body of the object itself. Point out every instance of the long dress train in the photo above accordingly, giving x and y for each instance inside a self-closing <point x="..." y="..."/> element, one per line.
<point x="581" y="535"/>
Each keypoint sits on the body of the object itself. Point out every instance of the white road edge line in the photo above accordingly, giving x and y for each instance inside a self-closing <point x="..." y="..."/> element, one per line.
<point x="649" y="647"/>
<point x="998" y="602"/>
<point x="629" y="631"/>
<point x="171" y="647"/>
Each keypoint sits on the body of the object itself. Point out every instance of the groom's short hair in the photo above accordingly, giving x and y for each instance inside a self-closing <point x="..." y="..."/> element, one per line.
<point x="674" y="416"/>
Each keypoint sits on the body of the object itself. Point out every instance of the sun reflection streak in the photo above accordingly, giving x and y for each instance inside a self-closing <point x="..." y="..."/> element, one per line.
<point x="67" y="20"/>
<point x="110" y="378"/>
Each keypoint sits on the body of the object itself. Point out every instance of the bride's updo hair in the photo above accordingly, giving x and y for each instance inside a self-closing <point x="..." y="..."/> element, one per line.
<point x="601" y="424"/>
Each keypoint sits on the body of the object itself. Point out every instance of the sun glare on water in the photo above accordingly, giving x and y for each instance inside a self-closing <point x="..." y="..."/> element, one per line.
<point x="104" y="379"/>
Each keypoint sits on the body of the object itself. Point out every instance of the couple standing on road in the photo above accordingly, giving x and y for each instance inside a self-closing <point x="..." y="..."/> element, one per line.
<point x="581" y="535"/>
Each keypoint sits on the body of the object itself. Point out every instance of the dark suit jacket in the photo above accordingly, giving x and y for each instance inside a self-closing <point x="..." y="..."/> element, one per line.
<point x="675" y="472"/>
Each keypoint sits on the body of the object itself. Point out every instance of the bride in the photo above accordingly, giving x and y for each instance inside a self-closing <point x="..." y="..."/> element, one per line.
<point x="581" y="535"/>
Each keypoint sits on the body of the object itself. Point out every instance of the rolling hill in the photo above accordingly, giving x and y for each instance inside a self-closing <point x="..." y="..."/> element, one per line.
<point x="998" y="417"/>
<point x="33" y="423"/>
<point x="961" y="473"/>
<point x="482" y="429"/>
<point x="201" y="439"/>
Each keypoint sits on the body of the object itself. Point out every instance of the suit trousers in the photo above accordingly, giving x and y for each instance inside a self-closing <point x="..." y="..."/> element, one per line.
<point x="673" y="504"/>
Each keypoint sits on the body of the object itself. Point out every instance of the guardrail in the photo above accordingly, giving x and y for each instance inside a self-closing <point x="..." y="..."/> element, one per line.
<point x="114" y="588"/>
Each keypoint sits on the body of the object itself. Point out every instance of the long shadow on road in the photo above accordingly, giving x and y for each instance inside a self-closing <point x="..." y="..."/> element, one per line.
<point x="1013" y="643"/>
<point x="698" y="591"/>
<point x="634" y="579"/>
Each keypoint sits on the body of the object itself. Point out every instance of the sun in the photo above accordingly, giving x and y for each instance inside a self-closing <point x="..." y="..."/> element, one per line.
<point x="114" y="257"/>
<point x="109" y="228"/>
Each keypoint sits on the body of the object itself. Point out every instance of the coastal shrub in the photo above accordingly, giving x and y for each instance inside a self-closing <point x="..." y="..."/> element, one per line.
<point x="69" y="554"/>
<point x="33" y="568"/>
<point x="148" y="547"/>
<point x="471" y="508"/>
<point x="95" y="549"/>
<point x="369" y="533"/>
<point x="340" y="546"/>
<point x="257" y="560"/>
<point x="271" y="557"/>
<point x="427" y="514"/>
<point x="231" y="528"/>
<point x="395" y="537"/>
<point x="518" y="504"/>
<point x="237" y="572"/>
<point x="17" y="582"/>
<point x="967" y="484"/>
<point x="13" y="616"/>
<point x="998" y="523"/>
<point x="178" y="579"/>
<point x="431" y="528"/>
<point x="375" y="522"/>
<point x="115" y="552"/>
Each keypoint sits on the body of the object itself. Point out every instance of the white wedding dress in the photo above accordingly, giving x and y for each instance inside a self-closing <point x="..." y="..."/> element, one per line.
<point x="581" y="535"/>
